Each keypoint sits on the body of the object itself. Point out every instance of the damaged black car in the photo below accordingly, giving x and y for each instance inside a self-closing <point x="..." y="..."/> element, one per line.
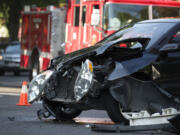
<point x="136" y="68"/>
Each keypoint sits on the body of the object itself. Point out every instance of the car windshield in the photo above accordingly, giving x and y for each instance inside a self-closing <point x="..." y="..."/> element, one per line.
<point x="13" y="49"/>
<point x="140" y="31"/>
<point x="119" y="15"/>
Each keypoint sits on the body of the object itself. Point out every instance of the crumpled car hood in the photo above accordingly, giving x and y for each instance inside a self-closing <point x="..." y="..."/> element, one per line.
<point x="150" y="52"/>
<point x="74" y="55"/>
<point x="98" y="49"/>
<point x="122" y="68"/>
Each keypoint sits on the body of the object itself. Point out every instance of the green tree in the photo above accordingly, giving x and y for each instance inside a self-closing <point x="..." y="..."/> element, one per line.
<point x="10" y="10"/>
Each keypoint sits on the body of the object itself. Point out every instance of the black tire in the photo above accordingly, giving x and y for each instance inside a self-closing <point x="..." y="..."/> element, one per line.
<point x="34" y="69"/>
<point x="67" y="113"/>
<point x="16" y="73"/>
<point x="113" y="109"/>
<point x="2" y="73"/>
<point x="59" y="111"/>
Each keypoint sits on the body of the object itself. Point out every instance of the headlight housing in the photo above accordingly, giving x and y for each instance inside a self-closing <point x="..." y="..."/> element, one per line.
<point x="84" y="80"/>
<point x="37" y="85"/>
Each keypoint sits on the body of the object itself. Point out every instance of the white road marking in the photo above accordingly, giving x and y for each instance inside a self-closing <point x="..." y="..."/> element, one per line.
<point x="9" y="94"/>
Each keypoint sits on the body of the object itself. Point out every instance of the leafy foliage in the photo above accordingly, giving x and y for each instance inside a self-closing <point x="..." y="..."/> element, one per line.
<point x="10" y="10"/>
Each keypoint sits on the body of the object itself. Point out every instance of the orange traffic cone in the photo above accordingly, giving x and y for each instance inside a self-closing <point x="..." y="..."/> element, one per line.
<point x="23" y="100"/>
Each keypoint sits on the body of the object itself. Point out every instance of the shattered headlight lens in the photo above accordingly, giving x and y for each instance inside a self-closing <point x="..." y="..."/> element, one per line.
<point x="84" y="80"/>
<point x="37" y="85"/>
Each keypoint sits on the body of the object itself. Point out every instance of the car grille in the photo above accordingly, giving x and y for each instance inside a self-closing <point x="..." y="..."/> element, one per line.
<point x="65" y="88"/>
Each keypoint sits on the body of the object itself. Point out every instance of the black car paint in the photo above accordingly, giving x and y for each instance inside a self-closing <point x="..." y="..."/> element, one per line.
<point x="118" y="74"/>
<point x="137" y="95"/>
<point x="102" y="46"/>
<point x="126" y="67"/>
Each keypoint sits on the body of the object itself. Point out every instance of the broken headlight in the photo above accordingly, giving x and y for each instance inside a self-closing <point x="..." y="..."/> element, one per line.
<point x="84" y="80"/>
<point x="37" y="85"/>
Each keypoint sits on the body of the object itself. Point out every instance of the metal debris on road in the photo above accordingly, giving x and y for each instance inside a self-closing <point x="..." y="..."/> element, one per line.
<point x="11" y="118"/>
<point x="123" y="128"/>
<point x="93" y="120"/>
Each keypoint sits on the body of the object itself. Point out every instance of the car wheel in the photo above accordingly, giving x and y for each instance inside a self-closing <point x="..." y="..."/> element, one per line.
<point x="113" y="110"/>
<point x="67" y="113"/>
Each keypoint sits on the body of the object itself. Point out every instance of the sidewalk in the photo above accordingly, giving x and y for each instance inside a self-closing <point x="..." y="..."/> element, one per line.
<point x="10" y="90"/>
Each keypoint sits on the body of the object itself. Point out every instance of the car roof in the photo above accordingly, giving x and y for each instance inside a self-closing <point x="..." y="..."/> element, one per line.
<point x="161" y="21"/>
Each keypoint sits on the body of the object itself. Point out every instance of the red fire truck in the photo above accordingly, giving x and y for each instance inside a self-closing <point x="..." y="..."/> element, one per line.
<point x="43" y="32"/>
<point x="87" y="22"/>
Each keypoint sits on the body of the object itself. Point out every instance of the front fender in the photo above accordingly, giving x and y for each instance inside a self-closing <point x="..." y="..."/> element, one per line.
<point x="136" y="95"/>
<point x="128" y="67"/>
<point x="122" y="93"/>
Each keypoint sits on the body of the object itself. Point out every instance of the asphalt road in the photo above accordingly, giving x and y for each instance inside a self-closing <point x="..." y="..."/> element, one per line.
<point x="18" y="120"/>
<point x="12" y="84"/>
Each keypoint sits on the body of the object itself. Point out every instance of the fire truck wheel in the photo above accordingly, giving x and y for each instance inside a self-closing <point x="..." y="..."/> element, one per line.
<point x="2" y="73"/>
<point x="34" y="70"/>
<point x="16" y="73"/>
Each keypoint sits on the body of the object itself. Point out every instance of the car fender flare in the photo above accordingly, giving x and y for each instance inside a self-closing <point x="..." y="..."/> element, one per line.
<point x="136" y="95"/>
<point x="122" y="93"/>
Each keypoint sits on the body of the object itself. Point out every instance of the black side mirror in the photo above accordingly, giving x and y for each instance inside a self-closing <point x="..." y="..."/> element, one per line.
<point x="171" y="47"/>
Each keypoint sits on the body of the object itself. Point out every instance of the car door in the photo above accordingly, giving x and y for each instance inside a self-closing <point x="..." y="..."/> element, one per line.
<point x="166" y="71"/>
